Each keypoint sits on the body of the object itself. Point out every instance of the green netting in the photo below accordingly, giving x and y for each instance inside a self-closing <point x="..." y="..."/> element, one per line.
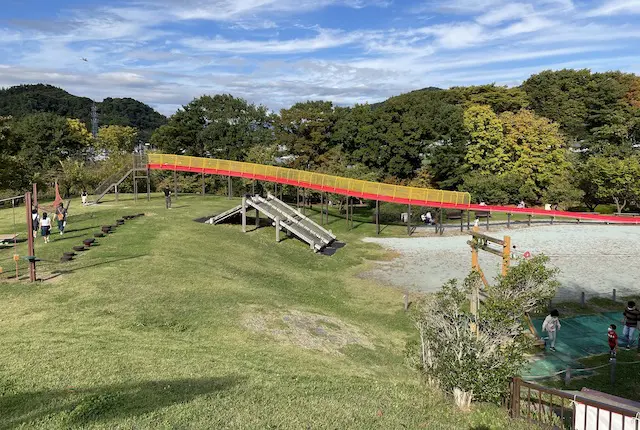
<point x="579" y="337"/>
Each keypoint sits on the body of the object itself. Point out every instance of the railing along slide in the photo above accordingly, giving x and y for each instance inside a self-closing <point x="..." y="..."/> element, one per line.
<point x="357" y="188"/>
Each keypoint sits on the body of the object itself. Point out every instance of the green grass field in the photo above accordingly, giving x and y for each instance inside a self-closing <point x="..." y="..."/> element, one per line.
<point x="169" y="323"/>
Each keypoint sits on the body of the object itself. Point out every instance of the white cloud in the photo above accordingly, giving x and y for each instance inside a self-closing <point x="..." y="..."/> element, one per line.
<point x="508" y="12"/>
<point x="616" y="7"/>
<point x="324" y="40"/>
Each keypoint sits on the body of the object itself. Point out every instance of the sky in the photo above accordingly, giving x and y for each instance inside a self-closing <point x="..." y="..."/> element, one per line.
<point x="278" y="52"/>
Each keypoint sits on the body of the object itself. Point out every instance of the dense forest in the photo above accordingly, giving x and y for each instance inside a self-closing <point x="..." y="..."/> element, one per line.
<point x="568" y="137"/>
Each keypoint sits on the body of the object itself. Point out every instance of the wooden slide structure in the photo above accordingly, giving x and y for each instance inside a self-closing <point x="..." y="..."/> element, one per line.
<point x="358" y="188"/>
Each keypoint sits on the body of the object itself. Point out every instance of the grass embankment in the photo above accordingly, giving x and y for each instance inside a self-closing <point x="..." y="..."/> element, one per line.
<point x="170" y="323"/>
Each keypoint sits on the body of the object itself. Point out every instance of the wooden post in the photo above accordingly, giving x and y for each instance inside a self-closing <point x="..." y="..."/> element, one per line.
<point x="468" y="220"/>
<point x="377" y="217"/>
<point x="348" y="201"/>
<point x="116" y="190"/>
<point x="203" y="185"/>
<point x="148" y="184"/>
<point x="582" y="299"/>
<point x="253" y="187"/>
<point x="529" y="221"/>
<point x="31" y="249"/>
<point x="35" y="195"/>
<point x="508" y="220"/>
<point x="614" y="294"/>
<point x="244" y="214"/>
<point x="175" y="184"/>
<point x="552" y="220"/>
<point x="351" y="225"/>
<point x="230" y="187"/>
<point x="612" y="372"/>
<point x="304" y="201"/>
<point x="461" y="221"/>
<point x="257" y="218"/>
<point x="322" y="208"/>
<point x="506" y="255"/>
<point x="277" y="229"/>
<point x="488" y="214"/>
<point x="409" y="220"/>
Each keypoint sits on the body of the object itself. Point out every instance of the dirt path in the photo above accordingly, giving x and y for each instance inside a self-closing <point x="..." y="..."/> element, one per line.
<point x="592" y="258"/>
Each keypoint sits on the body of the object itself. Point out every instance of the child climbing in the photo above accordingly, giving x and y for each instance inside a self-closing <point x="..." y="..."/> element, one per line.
<point x="551" y="325"/>
<point x="35" y="222"/>
<point x="613" y="340"/>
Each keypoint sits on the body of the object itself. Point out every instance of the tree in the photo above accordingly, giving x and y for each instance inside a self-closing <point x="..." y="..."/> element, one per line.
<point x="615" y="179"/>
<point x="480" y="364"/>
<point x="44" y="139"/>
<point x="500" y="99"/>
<point x="117" y="138"/>
<point x="305" y="130"/>
<point x="536" y="148"/>
<point x="563" y="192"/>
<point x="221" y="126"/>
<point x="486" y="151"/>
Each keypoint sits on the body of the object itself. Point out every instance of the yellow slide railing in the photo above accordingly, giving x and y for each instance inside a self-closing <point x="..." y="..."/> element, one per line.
<point x="317" y="181"/>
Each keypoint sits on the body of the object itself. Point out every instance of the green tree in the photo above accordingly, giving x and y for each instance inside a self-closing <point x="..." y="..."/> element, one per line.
<point x="615" y="179"/>
<point x="305" y="130"/>
<point x="536" y="148"/>
<point x="221" y="126"/>
<point x="501" y="99"/>
<point x="117" y="138"/>
<point x="563" y="192"/>
<point x="44" y="139"/>
<point x="486" y="151"/>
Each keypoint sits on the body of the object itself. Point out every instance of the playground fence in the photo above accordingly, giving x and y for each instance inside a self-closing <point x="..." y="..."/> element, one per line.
<point x="561" y="409"/>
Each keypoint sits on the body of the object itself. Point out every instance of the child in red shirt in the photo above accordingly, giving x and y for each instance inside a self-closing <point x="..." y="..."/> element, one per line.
<point x="613" y="340"/>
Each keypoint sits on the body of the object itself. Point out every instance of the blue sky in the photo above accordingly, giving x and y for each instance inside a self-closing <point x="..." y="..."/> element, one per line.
<point x="278" y="52"/>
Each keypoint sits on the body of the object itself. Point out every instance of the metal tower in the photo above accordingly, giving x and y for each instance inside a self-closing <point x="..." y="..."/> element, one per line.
<point x="94" y="120"/>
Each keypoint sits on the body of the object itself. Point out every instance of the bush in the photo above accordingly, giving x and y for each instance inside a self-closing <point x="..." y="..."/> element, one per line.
<point x="480" y="364"/>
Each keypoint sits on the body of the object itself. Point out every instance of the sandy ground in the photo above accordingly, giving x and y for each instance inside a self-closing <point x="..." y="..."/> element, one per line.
<point x="592" y="258"/>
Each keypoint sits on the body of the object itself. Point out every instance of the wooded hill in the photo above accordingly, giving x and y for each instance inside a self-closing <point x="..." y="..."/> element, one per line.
<point x="24" y="100"/>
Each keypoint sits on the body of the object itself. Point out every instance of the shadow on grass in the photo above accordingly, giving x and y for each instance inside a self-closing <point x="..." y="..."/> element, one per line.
<point x="66" y="271"/>
<point x="85" y="406"/>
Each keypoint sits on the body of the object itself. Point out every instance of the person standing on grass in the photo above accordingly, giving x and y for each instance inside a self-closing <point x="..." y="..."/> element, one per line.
<point x="35" y="222"/>
<point x="551" y="325"/>
<point x="45" y="227"/>
<point x="167" y="197"/>
<point x="84" y="197"/>
<point x="61" y="216"/>
<point x="631" y="317"/>
<point x="613" y="340"/>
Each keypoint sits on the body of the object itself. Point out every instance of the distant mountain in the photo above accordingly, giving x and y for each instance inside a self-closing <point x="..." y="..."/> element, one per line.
<point x="24" y="100"/>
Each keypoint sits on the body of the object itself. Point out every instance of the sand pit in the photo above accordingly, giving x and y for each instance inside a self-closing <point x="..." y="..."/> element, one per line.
<point x="592" y="258"/>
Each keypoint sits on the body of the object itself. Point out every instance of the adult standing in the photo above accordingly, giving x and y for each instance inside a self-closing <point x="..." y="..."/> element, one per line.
<point x="84" y="197"/>
<point x="61" y="216"/>
<point x="631" y="317"/>
<point x="167" y="197"/>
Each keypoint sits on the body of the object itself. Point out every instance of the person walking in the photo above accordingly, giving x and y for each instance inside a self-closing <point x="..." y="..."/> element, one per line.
<point x="61" y="216"/>
<point x="45" y="227"/>
<point x="167" y="197"/>
<point x="631" y="316"/>
<point x="551" y="325"/>
<point x="84" y="197"/>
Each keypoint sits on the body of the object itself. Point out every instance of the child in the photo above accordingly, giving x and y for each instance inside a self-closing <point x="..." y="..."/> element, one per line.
<point x="551" y="325"/>
<point x="613" y="340"/>
<point x="84" y="197"/>
<point x="35" y="222"/>
<point x="45" y="227"/>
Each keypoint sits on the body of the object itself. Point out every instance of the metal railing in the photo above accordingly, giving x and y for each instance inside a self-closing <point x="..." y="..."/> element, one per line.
<point x="320" y="181"/>
<point x="557" y="409"/>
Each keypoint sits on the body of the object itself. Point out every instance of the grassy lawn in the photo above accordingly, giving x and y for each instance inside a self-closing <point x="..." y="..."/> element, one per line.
<point x="169" y="323"/>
